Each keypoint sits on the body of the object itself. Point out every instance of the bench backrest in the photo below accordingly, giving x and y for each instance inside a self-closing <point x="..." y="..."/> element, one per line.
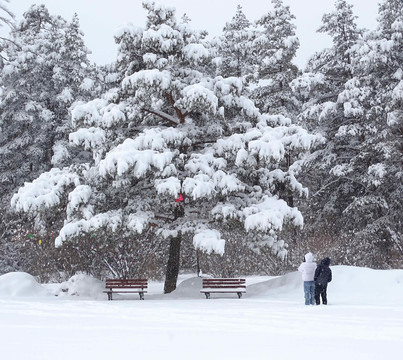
<point x="224" y="283"/>
<point x="126" y="283"/>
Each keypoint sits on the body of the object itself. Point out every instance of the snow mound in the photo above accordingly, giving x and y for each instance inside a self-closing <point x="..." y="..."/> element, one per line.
<point x="354" y="284"/>
<point x="350" y="285"/>
<point x="290" y="282"/>
<point x="187" y="289"/>
<point x="16" y="284"/>
<point x="84" y="286"/>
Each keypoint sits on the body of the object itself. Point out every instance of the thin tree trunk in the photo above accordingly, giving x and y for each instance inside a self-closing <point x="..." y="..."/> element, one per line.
<point x="172" y="271"/>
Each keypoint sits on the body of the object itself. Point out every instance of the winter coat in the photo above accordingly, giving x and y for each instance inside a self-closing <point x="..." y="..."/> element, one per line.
<point x="323" y="274"/>
<point x="308" y="268"/>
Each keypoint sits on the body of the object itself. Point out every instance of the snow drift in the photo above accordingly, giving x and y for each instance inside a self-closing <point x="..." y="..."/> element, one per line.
<point x="17" y="284"/>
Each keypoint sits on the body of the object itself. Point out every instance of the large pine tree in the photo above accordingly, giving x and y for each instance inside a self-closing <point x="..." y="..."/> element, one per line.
<point x="177" y="155"/>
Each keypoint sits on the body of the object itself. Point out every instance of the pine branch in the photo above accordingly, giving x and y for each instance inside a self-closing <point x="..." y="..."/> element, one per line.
<point x="179" y="114"/>
<point x="162" y="115"/>
<point x="11" y="41"/>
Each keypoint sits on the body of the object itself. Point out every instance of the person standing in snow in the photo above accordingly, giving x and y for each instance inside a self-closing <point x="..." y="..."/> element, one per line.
<point x="307" y="268"/>
<point x="323" y="276"/>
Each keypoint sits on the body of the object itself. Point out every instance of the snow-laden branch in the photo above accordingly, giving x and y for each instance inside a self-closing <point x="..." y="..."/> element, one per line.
<point x="270" y="214"/>
<point x="163" y="115"/>
<point x="209" y="241"/>
<point x="44" y="192"/>
<point x="111" y="220"/>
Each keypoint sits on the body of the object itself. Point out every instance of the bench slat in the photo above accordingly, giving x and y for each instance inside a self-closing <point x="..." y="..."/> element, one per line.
<point x="233" y="290"/>
<point x="224" y="280"/>
<point x="124" y="292"/>
<point x="126" y="286"/>
<point x="127" y="281"/>
<point x="223" y="285"/>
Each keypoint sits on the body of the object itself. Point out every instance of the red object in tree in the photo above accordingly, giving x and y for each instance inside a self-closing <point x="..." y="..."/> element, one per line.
<point x="180" y="198"/>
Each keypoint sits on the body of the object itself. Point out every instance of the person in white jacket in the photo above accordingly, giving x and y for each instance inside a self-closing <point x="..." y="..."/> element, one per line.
<point x="307" y="269"/>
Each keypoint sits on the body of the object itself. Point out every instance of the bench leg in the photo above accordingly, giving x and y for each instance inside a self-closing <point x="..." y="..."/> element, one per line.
<point x="239" y="295"/>
<point x="141" y="296"/>
<point x="109" y="296"/>
<point x="207" y="295"/>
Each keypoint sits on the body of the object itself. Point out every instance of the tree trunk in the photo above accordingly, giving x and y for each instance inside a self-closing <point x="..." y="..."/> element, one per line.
<point x="172" y="271"/>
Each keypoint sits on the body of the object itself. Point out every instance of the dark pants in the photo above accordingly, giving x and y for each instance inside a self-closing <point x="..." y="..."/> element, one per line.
<point x="320" y="291"/>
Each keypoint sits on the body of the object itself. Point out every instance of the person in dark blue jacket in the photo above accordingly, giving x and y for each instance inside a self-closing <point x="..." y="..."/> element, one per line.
<point x="323" y="276"/>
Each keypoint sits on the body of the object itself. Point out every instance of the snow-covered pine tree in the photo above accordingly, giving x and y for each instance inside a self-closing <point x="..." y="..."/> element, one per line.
<point x="235" y="56"/>
<point x="350" y="91"/>
<point x="373" y="99"/>
<point x="44" y="73"/>
<point x="167" y="160"/>
<point x="275" y="47"/>
<point x="35" y="107"/>
<point x="328" y="70"/>
<point x="318" y="89"/>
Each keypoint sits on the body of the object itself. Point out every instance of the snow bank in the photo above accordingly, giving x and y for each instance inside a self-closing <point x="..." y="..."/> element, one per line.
<point x="350" y="286"/>
<point x="355" y="285"/>
<point x="187" y="289"/>
<point x="20" y="284"/>
<point x="279" y="286"/>
<point x="84" y="286"/>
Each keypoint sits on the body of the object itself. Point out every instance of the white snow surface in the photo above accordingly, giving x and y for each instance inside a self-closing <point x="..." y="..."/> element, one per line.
<point x="363" y="320"/>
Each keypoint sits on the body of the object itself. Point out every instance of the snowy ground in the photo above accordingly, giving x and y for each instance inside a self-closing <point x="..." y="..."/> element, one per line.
<point x="364" y="320"/>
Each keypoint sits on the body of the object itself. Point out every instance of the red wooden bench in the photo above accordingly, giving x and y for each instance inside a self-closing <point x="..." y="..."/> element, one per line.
<point x="222" y="286"/>
<point x="126" y="286"/>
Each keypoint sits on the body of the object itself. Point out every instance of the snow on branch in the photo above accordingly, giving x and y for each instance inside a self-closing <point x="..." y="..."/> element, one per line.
<point x="79" y="197"/>
<point x="200" y="186"/>
<point x="162" y="115"/>
<point x="90" y="138"/>
<point x="205" y="163"/>
<point x="158" y="139"/>
<point x="171" y="186"/>
<point x="149" y="148"/>
<point x="266" y="142"/>
<point x="197" y="97"/>
<point x="44" y="192"/>
<point x="165" y="38"/>
<point x="125" y="157"/>
<point x="270" y="214"/>
<point x="98" y="113"/>
<point x="196" y="53"/>
<point x="159" y="81"/>
<point x="209" y="241"/>
<point x="111" y="220"/>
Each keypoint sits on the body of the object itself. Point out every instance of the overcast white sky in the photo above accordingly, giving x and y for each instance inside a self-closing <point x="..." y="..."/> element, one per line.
<point x="99" y="18"/>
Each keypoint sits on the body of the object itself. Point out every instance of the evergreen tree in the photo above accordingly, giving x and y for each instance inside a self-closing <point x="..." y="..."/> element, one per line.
<point x="170" y="158"/>
<point x="275" y="47"/>
<point x="44" y="74"/>
<point x="319" y="88"/>
<point x="349" y="90"/>
<point x="235" y="47"/>
<point x="373" y="98"/>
